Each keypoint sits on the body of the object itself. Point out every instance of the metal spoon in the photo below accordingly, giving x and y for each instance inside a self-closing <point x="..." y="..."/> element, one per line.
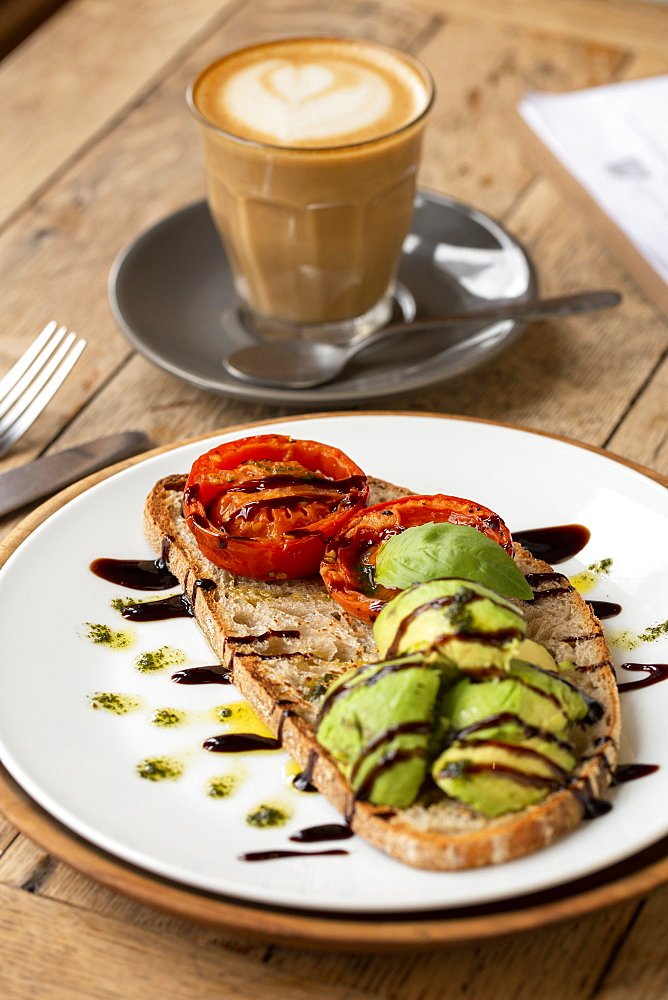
<point x="302" y="364"/>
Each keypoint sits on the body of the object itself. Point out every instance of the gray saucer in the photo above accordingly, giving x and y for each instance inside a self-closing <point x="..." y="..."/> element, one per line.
<point x="171" y="293"/>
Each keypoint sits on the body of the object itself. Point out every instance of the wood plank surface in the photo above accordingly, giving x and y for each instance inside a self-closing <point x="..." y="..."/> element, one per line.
<point x="631" y="26"/>
<point x="57" y="951"/>
<point x="107" y="149"/>
<point x="89" y="64"/>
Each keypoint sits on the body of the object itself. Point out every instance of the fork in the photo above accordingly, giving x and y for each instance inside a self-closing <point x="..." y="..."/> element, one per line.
<point x="33" y="380"/>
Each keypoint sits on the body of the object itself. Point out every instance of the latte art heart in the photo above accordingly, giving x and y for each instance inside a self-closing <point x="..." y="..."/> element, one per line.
<point x="297" y="84"/>
<point x="292" y="104"/>
<point x="312" y="92"/>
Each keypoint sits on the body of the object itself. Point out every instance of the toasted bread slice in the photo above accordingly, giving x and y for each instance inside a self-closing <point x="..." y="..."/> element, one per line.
<point x="284" y="642"/>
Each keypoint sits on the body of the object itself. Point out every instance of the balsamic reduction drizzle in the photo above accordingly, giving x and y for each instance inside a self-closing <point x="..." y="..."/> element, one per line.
<point x="285" y="714"/>
<point x="302" y="781"/>
<point x="202" y="583"/>
<point x="605" y="609"/>
<point x="631" y="772"/>
<point x="415" y="727"/>
<point x="326" y="831"/>
<point x="334" y="493"/>
<point x="592" y="806"/>
<point x="271" y="855"/>
<point x="137" y="574"/>
<point x="342" y="689"/>
<point x="176" y="606"/>
<point x="272" y="633"/>
<point x="521" y="777"/>
<point x="555" y="544"/>
<point x="654" y="672"/>
<point x="240" y="743"/>
<point x="279" y="481"/>
<point x="302" y="784"/>
<point x="203" y="675"/>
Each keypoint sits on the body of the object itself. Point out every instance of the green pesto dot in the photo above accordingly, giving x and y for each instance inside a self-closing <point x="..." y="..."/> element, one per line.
<point x="159" y="659"/>
<point x="602" y="567"/>
<point x="159" y="769"/>
<point x="318" y="686"/>
<point x="631" y="640"/>
<point x="221" y="786"/>
<point x="119" y="704"/>
<point x="102" y="635"/>
<point x="167" y="717"/>
<point x="266" y="816"/>
<point x="653" y="632"/>
<point x="120" y="603"/>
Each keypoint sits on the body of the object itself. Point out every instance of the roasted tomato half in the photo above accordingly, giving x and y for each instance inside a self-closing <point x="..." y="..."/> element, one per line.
<point x="266" y="506"/>
<point x="348" y="566"/>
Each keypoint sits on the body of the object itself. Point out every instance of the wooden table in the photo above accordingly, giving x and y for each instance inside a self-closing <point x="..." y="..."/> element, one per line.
<point x="96" y="145"/>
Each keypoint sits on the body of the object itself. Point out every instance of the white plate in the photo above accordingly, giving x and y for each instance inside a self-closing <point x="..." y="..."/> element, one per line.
<point x="80" y="764"/>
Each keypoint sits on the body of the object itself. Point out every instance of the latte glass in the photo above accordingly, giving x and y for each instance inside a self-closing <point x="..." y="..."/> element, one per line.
<point x="311" y="151"/>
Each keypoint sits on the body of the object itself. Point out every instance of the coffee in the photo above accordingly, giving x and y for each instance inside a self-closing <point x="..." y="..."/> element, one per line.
<point x="311" y="92"/>
<point x="312" y="147"/>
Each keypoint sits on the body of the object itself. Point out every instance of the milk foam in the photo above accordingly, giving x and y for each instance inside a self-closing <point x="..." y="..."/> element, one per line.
<point x="312" y="92"/>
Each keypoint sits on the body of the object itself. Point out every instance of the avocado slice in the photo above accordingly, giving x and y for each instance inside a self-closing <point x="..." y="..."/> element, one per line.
<point x="507" y="748"/>
<point x="376" y="721"/>
<point x="574" y="705"/>
<point x="537" y="698"/>
<point x="533" y="652"/>
<point x="497" y="775"/>
<point x="461" y="623"/>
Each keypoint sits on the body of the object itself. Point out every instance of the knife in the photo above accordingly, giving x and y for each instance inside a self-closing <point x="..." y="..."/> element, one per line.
<point x="44" y="476"/>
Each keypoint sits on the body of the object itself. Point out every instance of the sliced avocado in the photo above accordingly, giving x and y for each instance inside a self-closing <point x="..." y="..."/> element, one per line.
<point x="460" y="623"/>
<point x="533" y="652"/>
<point x="376" y="722"/>
<point x="537" y="698"/>
<point x="507" y="748"/>
<point x="572" y="702"/>
<point x="496" y="776"/>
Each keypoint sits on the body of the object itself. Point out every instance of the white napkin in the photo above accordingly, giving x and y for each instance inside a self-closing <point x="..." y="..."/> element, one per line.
<point x="614" y="141"/>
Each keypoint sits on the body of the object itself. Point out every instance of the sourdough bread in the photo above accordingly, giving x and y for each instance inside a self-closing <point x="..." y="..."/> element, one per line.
<point x="286" y="641"/>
